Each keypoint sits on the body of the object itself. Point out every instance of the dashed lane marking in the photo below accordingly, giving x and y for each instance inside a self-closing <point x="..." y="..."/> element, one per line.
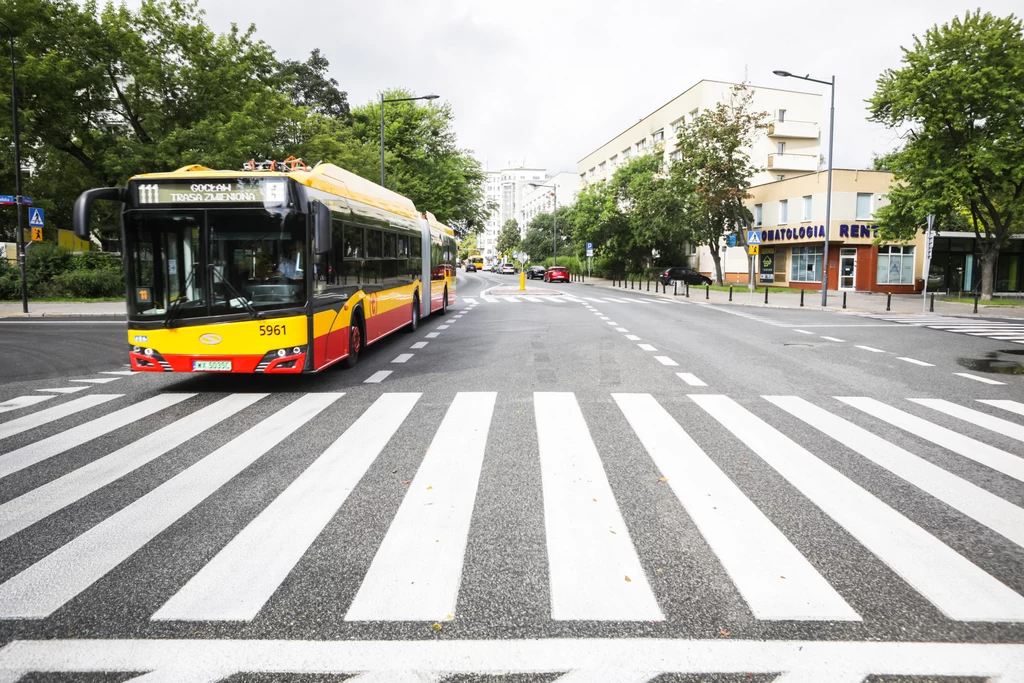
<point x="916" y="362"/>
<point x="377" y="377"/>
<point x="402" y="357"/>
<point x="690" y="379"/>
<point x="983" y="380"/>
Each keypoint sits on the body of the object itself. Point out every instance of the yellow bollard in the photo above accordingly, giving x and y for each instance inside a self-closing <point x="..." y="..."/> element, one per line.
<point x="522" y="281"/>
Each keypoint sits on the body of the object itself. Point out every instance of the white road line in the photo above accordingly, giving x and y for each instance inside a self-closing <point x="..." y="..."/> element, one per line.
<point x="118" y="372"/>
<point x="621" y="329"/>
<point x="833" y="339"/>
<point x="488" y="299"/>
<point x="21" y="402"/>
<point x="803" y="331"/>
<point x="64" y="390"/>
<point x="975" y="417"/>
<point x="958" y="588"/>
<point x="38" y="451"/>
<point x="395" y="676"/>
<point x="594" y="570"/>
<point x="416" y="572"/>
<point x="611" y="323"/>
<point x="377" y="377"/>
<point x="775" y="580"/>
<point x="916" y="362"/>
<point x="47" y="585"/>
<point x="470" y="301"/>
<point x="647" y="347"/>
<point x="433" y="335"/>
<point x="531" y="298"/>
<point x="990" y="510"/>
<point x="96" y="380"/>
<point x="511" y="299"/>
<point x="450" y="321"/>
<point x="604" y="317"/>
<point x="614" y="301"/>
<point x="632" y="337"/>
<point x="419" y="345"/>
<point x="553" y="299"/>
<point x="592" y="299"/>
<point x="834" y="660"/>
<point x="39" y="503"/>
<point x="690" y="379"/>
<point x="607" y="675"/>
<point x="241" y="578"/>
<point x="990" y="456"/>
<point x="402" y="357"/>
<point x="1012" y="406"/>
<point x="442" y="327"/>
<point x="870" y="348"/>
<point x="37" y="419"/>
<point x="665" y="360"/>
<point x="983" y="380"/>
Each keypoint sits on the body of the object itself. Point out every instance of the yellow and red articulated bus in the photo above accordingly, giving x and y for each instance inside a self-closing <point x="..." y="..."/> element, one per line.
<point x="280" y="268"/>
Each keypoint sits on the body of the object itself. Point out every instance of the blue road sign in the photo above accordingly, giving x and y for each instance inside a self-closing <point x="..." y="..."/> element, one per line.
<point x="9" y="199"/>
<point x="35" y="218"/>
<point x="753" y="237"/>
<point x="590" y="248"/>
<point x="732" y="240"/>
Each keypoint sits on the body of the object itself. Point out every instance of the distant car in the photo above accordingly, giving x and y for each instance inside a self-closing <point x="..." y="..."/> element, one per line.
<point x="470" y="268"/>
<point x="508" y="269"/>
<point x="681" y="274"/>
<point x="535" y="273"/>
<point x="556" y="273"/>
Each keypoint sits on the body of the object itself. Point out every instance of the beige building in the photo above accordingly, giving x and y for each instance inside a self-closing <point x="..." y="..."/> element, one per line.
<point x="789" y="216"/>
<point x="791" y="145"/>
<point x="541" y="198"/>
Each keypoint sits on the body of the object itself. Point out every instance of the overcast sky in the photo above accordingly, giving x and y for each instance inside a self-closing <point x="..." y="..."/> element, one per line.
<point x="546" y="83"/>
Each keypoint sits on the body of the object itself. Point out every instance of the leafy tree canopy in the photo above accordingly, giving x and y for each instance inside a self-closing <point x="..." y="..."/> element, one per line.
<point x="508" y="238"/>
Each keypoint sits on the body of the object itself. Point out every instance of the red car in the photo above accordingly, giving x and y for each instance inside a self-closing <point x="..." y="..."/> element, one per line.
<point x="557" y="273"/>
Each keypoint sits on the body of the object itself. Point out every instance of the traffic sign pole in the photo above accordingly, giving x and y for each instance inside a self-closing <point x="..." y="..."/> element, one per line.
<point x="928" y="242"/>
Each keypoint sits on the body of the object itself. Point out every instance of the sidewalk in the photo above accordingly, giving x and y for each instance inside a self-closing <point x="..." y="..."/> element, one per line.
<point x="856" y="302"/>
<point x="41" y="309"/>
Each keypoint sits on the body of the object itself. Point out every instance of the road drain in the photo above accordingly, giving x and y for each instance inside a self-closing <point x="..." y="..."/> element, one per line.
<point x="801" y="346"/>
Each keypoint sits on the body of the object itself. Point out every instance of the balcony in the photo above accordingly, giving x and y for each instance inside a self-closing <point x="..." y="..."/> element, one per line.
<point x="793" y="162"/>
<point x="793" y="129"/>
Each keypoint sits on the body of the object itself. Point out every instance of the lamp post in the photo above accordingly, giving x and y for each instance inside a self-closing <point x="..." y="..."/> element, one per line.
<point x="398" y="99"/>
<point x="828" y="197"/>
<point x="554" y="221"/>
<point x="17" y="175"/>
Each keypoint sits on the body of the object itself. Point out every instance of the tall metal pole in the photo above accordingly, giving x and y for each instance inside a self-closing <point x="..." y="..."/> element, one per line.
<point x="828" y="196"/>
<point x="382" y="139"/>
<point x="17" y="176"/>
<point x="554" y="224"/>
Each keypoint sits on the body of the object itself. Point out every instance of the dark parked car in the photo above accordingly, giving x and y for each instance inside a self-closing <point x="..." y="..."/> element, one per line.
<point x="680" y="274"/>
<point x="535" y="273"/>
<point x="556" y="273"/>
<point x="470" y="268"/>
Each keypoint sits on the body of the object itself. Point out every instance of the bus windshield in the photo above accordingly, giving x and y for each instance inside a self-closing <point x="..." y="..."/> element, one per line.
<point x="187" y="264"/>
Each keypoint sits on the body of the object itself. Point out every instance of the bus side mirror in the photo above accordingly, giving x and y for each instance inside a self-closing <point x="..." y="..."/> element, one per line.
<point x="83" y="207"/>
<point x="321" y="227"/>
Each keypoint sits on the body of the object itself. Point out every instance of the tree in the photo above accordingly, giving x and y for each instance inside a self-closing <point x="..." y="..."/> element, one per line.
<point x="423" y="161"/>
<point x="307" y="85"/>
<point x="508" y="238"/>
<point x="714" y="170"/>
<point x="467" y="246"/>
<point x="538" y="240"/>
<point x="960" y="92"/>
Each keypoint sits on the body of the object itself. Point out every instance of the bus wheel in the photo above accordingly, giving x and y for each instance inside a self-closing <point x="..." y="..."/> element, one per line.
<point x="355" y="341"/>
<point x="414" y="322"/>
<point x="444" y="302"/>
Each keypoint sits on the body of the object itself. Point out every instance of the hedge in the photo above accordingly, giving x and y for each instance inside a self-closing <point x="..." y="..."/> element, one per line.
<point x="56" y="273"/>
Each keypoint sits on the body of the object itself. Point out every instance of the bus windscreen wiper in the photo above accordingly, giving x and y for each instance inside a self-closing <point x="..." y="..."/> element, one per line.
<point x="253" y="313"/>
<point x="172" y="310"/>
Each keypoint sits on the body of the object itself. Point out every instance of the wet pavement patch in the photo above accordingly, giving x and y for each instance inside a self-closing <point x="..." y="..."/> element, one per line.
<point x="994" y="364"/>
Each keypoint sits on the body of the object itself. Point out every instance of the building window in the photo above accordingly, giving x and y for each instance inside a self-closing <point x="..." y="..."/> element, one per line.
<point x="781" y="148"/>
<point x="781" y="116"/>
<point x="895" y="265"/>
<point x="659" y="135"/>
<point x="614" y="161"/>
<point x="807" y="207"/>
<point x="641" y="145"/>
<point x="676" y="155"/>
<point x="757" y="215"/>
<point x="780" y="177"/>
<point x="676" y="125"/>
<point x="805" y="264"/>
<point x="783" y="212"/>
<point x="693" y="115"/>
<point x="863" y="205"/>
<point x="626" y="153"/>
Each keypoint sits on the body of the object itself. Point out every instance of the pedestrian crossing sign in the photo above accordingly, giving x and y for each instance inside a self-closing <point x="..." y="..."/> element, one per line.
<point x="753" y="249"/>
<point x="753" y="237"/>
<point x="35" y="218"/>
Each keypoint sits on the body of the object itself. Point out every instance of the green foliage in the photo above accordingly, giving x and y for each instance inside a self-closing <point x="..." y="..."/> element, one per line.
<point x="54" y="272"/>
<point x="575" y="265"/>
<point x="538" y="240"/>
<point x="713" y="171"/>
<point x="308" y="85"/>
<point x="467" y="246"/>
<point x="959" y="95"/>
<point x="508" y="238"/>
<point x="10" y="282"/>
<point x="46" y="261"/>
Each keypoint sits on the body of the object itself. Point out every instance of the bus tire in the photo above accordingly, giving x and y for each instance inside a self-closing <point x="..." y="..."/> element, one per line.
<point x="414" y="321"/>
<point x="444" y="302"/>
<point x="356" y="339"/>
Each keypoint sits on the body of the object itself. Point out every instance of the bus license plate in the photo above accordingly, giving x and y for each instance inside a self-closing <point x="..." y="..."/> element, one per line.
<point x="211" y="365"/>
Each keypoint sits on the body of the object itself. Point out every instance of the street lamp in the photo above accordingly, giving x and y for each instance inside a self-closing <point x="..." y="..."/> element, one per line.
<point x="17" y="176"/>
<point x="554" y="220"/>
<point x="828" y="196"/>
<point x="382" y="101"/>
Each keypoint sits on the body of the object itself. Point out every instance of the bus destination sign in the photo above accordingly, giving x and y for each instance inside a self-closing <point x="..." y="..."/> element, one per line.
<point x="247" y="190"/>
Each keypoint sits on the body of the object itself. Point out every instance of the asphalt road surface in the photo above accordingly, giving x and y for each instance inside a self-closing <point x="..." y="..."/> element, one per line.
<point x="576" y="484"/>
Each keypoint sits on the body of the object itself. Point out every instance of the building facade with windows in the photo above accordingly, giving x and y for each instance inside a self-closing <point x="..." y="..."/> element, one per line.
<point x="790" y="145"/>
<point x="504" y="189"/>
<point x="790" y="218"/>
<point x="538" y="200"/>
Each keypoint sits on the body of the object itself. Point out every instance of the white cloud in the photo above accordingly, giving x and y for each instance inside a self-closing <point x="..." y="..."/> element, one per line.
<point x="550" y="81"/>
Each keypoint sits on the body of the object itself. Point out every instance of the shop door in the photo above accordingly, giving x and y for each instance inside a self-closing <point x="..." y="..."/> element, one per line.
<point x="847" y="268"/>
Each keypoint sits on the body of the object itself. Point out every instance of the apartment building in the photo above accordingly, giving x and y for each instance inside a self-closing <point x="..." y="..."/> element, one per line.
<point x="505" y="190"/>
<point x="789" y="146"/>
<point x="537" y="200"/>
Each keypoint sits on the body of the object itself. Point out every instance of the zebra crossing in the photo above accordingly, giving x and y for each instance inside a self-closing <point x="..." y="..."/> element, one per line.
<point x="1001" y="330"/>
<point x="564" y="298"/>
<point x="597" y="568"/>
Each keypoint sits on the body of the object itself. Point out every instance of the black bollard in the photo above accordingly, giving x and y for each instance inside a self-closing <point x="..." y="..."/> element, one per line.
<point x="707" y="291"/>
<point x="931" y="304"/>
<point x="844" y="299"/>
<point x="802" y="298"/>
<point x="766" y="295"/>
<point x="888" y="301"/>
<point x="730" y="292"/>
<point x="977" y="295"/>
<point x="687" y="290"/>
<point x="648" y="283"/>
<point x="675" y="288"/>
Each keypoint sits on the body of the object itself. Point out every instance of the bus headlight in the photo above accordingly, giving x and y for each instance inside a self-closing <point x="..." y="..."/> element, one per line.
<point x="281" y="358"/>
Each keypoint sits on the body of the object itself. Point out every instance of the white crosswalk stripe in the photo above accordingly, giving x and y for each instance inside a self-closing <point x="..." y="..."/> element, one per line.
<point x="1000" y="330"/>
<point x="38" y="419"/>
<point x="594" y="570"/>
<point x="21" y="402"/>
